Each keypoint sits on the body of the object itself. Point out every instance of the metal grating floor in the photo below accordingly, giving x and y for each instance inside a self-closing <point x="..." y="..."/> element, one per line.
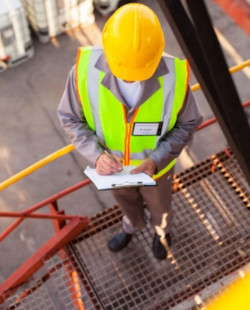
<point x="210" y="239"/>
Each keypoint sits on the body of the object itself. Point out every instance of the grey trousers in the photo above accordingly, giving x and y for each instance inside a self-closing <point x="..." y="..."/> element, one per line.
<point x="156" y="199"/>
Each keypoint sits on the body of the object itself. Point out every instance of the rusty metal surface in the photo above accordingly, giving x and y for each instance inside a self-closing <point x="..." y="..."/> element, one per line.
<point x="210" y="240"/>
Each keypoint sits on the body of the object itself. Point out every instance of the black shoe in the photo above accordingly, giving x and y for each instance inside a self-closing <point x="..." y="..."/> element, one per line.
<point x="119" y="241"/>
<point x="159" y="249"/>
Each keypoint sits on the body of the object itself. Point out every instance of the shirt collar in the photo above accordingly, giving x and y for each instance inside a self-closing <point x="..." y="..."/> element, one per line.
<point x="149" y="86"/>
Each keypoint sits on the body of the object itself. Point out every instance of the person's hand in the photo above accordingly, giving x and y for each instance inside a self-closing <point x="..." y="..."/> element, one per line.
<point x="108" y="164"/>
<point x="147" y="166"/>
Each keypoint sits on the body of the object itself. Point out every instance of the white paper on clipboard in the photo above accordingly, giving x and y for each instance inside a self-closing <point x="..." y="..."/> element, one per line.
<point x="119" y="180"/>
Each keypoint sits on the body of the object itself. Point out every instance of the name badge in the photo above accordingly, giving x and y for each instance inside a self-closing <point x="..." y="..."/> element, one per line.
<point x="147" y="129"/>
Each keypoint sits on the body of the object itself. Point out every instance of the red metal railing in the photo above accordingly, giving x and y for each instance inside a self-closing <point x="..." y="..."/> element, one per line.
<point x="51" y="201"/>
<point x="214" y="120"/>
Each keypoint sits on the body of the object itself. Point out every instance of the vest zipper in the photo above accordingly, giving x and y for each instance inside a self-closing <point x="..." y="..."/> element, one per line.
<point x="129" y="127"/>
<point x="127" y="144"/>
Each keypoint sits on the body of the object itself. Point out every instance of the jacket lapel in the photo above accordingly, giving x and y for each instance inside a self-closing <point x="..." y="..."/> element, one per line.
<point x="149" y="87"/>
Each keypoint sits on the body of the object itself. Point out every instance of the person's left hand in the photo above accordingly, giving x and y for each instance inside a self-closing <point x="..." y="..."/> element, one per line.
<point x="147" y="166"/>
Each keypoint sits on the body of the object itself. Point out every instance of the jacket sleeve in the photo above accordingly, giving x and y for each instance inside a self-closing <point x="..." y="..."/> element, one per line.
<point x="72" y="119"/>
<point x="171" y="145"/>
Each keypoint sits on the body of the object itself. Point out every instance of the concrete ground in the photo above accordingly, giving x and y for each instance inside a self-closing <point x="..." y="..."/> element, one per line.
<point x="30" y="130"/>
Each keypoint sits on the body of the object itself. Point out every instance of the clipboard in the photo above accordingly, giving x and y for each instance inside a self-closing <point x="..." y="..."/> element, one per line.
<point x="117" y="180"/>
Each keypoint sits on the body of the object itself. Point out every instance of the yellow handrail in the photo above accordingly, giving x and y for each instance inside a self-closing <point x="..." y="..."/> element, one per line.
<point x="231" y="70"/>
<point x="69" y="148"/>
<point x="20" y="175"/>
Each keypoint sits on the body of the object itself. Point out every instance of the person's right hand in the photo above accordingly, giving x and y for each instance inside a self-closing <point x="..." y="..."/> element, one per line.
<point x="106" y="165"/>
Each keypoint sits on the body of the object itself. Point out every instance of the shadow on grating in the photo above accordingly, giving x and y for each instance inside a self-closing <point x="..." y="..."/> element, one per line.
<point x="210" y="240"/>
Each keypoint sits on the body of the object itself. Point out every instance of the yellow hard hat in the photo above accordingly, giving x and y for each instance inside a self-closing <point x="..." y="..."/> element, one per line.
<point x="133" y="42"/>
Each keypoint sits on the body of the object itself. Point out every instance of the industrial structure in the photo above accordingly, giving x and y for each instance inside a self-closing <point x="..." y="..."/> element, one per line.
<point x="211" y="237"/>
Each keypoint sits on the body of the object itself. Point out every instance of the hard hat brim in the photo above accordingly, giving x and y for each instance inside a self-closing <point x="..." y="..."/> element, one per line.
<point x="129" y="74"/>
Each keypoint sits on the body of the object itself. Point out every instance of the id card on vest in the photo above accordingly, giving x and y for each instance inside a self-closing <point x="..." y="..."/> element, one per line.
<point x="147" y="129"/>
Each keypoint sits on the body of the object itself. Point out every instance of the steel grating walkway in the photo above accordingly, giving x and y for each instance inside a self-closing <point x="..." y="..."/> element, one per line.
<point x="210" y="240"/>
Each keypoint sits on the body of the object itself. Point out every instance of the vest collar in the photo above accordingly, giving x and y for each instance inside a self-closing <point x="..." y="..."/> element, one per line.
<point x="149" y="87"/>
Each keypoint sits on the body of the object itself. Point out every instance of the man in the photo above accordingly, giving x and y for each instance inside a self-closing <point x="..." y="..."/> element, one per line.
<point x="134" y="102"/>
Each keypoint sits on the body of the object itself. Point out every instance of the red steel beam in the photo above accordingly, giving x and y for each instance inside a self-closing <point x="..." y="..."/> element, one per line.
<point x="10" y="228"/>
<point x="22" y="216"/>
<point x="66" y="234"/>
<point x="43" y="203"/>
<point x="58" y="224"/>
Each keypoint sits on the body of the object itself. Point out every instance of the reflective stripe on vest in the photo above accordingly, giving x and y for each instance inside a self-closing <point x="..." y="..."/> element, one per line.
<point x="106" y="115"/>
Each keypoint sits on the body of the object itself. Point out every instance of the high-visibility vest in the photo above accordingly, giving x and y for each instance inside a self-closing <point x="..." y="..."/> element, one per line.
<point x="106" y="115"/>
